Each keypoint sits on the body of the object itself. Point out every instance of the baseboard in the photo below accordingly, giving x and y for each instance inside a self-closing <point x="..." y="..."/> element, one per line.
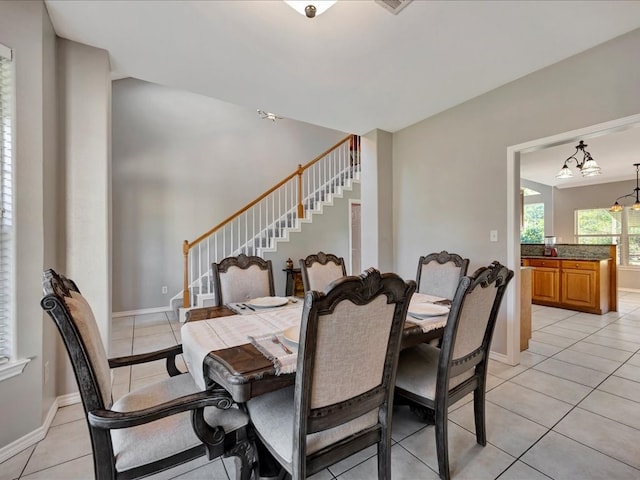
<point x="143" y="311"/>
<point x="499" y="357"/>
<point x="631" y="290"/>
<point x="39" y="433"/>
<point x="69" y="399"/>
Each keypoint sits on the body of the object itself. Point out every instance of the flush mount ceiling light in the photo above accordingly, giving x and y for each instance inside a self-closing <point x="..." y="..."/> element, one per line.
<point x="588" y="166"/>
<point x="268" y="115"/>
<point x="616" y="207"/>
<point x="310" y="8"/>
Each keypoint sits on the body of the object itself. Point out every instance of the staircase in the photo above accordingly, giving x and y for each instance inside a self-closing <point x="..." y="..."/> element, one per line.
<point x="263" y="223"/>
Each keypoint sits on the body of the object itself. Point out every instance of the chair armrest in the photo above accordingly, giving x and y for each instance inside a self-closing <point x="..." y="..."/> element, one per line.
<point x="109" y="419"/>
<point x="169" y="353"/>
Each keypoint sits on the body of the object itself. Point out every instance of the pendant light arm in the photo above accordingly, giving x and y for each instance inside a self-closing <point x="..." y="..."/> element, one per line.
<point x="616" y="207"/>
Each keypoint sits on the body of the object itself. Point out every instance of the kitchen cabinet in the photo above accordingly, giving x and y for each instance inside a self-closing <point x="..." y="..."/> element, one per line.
<point x="582" y="285"/>
<point x="545" y="282"/>
<point x="525" y="307"/>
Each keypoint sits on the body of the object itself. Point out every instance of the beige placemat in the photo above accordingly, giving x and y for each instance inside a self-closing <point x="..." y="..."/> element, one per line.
<point x="283" y="361"/>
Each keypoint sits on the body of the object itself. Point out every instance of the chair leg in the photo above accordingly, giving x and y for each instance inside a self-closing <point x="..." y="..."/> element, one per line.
<point x="442" y="442"/>
<point x="245" y="457"/>
<point x="479" y="415"/>
<point x="384" y="459"/>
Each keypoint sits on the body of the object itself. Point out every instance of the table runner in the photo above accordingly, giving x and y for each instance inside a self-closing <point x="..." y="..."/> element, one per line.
<point x="283" y="361"/>
<point x="257" y="327"/>
<point x="428" y="323"/>
<point x="200" y="338"/>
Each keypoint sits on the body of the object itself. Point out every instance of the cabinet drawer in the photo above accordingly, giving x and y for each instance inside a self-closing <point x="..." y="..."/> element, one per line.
<point x="580" y="265"/>
<point x="537" y="262"/>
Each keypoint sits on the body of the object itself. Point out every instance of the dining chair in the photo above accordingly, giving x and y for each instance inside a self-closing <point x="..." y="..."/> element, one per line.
<point x="152" y="428"/>
<point x="241" y="278"/>
<point x="343" y="395"/>
<point x="319" y="270"/>
<point x="435" y="378"/>
<point x="439" y="273"/>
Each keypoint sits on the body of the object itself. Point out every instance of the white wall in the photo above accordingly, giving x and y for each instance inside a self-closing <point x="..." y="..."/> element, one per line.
<point x="181" y="164"/>
<point x="450" y="170"/>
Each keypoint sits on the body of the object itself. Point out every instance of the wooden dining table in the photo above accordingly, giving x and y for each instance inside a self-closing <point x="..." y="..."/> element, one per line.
<point x="246" y="373"/>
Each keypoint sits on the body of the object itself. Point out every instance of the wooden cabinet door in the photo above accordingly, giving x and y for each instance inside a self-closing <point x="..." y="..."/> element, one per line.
<point x="580" y="288"/>
<point x="545" y="286"/>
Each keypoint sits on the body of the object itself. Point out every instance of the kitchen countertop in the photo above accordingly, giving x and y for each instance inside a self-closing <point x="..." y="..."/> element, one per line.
<point x="544" y="257"/>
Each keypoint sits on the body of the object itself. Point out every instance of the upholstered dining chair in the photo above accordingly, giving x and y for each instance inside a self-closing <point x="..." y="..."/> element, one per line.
<point x="319" y="270"/>
<point x="241" y="278"/>
<point x="338" y="406"/>
<point x="152" y="428"/>
<point x="439" y="273"/>
<point x="436" y="378"/>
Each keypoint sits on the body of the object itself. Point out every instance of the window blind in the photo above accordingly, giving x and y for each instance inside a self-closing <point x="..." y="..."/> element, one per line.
<point x="6" y="201"/>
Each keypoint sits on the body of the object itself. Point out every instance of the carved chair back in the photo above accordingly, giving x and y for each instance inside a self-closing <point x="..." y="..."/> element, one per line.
<point x="155" y="410"/>
<point x="359" y="321"/>
<point x="241" y="278"/>
<point x="319" y="270"/>
<point x="439" y="273"/>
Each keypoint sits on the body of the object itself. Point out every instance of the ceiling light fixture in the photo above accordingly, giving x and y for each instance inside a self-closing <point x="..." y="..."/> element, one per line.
<point x="588" y="167"/>
<point x="310" y="8"/>
<point x="268" y="115"/>
<point x="616" y="207"/>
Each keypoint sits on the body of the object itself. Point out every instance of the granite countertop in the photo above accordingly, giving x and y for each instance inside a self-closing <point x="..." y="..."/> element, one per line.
<point x="565" y="257"/>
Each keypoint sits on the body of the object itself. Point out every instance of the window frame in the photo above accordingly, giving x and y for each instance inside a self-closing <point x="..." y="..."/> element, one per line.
<point x="10" y="364"/>
<point x="620" y="239"/>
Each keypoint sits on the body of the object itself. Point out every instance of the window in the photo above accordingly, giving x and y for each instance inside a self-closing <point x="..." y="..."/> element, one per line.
<point x="533" y="223"/>
<point x="6" y="196"/>
<point x="600" y="226"/>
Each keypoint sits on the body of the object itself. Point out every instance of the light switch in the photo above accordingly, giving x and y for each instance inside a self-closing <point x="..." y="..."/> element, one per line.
<point x="493" y="236"/>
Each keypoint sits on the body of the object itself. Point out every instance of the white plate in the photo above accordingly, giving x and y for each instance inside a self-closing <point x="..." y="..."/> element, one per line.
<point x="292" y="335"/>
<point x="428" y="310"/>
<point x="268" y="302"/>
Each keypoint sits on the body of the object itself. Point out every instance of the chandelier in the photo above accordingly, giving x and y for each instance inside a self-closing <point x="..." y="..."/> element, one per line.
<point x="616" y="207"/>
<point x="588" y="166"/>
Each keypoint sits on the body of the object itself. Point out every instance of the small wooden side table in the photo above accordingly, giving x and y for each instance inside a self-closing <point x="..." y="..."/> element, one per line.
<point x="294" y="286"/>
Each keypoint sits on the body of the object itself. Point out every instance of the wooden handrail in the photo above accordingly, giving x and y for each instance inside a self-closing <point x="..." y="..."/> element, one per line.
<point x="265" y="194"/>
<point x="187" y="246"/>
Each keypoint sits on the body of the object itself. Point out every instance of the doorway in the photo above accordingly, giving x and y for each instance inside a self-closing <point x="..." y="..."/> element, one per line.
<point x="355" y="237"/>
<point x="513" y="212"/>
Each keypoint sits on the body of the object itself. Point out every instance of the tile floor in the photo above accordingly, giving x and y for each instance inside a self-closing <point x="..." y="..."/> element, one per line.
<point x="570" y="410"/>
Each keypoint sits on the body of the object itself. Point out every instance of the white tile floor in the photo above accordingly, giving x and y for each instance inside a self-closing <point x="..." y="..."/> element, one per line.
<point x="570" y="410"/>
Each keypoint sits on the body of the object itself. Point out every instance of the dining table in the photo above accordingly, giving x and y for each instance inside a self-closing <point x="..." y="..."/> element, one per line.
<point x="243" y="347"/>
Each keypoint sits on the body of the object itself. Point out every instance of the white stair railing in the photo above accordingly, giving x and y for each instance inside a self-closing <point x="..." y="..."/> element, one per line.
<point x="257" y="227"/>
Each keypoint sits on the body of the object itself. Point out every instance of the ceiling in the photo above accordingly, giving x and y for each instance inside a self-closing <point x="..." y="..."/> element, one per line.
<point x="615" y="152"/>
<point x="355" y="68"/>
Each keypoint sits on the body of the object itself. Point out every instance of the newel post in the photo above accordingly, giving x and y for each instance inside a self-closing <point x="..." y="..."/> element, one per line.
<point x="186" y="301"/>
<point x="300" y="206"/>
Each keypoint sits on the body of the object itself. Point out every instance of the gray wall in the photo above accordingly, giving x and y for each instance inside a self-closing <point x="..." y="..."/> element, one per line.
<point x="377" y="203"/>
<point x="25" y="27"/>
<point x="181" y="164"/>
<point x="450" y="170"/>
<point x="328" y="232"/>
<point x="84" y="87"/>
<point x="62" y="205"/>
